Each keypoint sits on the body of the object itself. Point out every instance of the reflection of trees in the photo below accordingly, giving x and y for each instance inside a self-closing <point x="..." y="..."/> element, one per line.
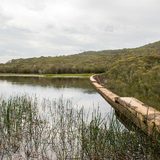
<point x="53" y="82"/>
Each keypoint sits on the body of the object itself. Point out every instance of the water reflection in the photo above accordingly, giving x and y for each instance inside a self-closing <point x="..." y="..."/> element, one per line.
<point x="51" y="82"/>
<point x="79" y="91"/>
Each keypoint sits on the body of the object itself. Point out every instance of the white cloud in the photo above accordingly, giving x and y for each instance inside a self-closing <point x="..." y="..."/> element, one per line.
<point x="53" y="27"/>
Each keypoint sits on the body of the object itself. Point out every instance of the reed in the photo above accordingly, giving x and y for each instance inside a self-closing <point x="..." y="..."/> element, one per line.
<point x="54" y="129"/>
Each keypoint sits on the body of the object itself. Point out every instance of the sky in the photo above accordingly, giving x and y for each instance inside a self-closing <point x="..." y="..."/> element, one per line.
<point x="33" y="28"/>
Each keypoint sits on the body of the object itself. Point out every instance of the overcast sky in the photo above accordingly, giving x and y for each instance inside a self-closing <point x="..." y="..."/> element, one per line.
<point x="56" y="27"/>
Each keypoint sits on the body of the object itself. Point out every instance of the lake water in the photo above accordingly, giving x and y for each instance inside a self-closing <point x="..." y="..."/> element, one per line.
<point x="79" y="91"/>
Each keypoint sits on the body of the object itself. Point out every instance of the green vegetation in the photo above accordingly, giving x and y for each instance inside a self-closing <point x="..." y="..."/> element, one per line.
<point x="26" y="132"/>
<point x="81" y="63"/>
<point x="128" y="72"/>
<point x="80" y="75"/>
<point x="136" y="74"/>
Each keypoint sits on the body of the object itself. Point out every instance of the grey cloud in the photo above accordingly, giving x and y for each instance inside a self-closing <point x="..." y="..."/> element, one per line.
<point x="36" y="5"/>
<point x="3" y="19"/>
<point x="54" y="27"/>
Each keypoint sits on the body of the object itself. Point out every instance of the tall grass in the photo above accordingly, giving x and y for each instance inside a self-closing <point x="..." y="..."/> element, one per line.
<point x="59" y="131"/>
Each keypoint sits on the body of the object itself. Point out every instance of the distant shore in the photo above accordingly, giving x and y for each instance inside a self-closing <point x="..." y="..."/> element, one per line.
<point x="83" y="75"/>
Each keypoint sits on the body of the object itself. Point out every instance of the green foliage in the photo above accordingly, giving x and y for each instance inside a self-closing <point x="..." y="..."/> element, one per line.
<point x="81" y="63"/>
<point x="137" y="76"/>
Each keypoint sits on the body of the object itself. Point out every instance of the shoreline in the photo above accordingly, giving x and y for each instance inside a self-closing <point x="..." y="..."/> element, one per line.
<point x="83" y="75"/>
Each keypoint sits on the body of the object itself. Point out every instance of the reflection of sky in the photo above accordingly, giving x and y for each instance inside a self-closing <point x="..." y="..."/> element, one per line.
<point x="78" y="96"/>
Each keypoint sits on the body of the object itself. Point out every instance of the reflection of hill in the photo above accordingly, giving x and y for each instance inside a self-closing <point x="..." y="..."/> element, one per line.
<point x="52" y="82"/>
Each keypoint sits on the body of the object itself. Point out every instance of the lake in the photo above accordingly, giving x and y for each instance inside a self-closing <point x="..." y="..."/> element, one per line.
<point x="79" y="91"/>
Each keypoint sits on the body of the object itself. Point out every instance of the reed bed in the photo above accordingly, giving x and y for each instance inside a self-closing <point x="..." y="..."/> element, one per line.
<point x="54" y="129"/>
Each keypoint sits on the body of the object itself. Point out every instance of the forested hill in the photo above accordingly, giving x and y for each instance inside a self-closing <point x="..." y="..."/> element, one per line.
<point x="87" y="62"/>
<point x="81" y="63"/>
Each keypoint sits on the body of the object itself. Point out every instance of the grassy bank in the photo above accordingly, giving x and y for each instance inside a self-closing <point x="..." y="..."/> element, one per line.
<point x="81" y="75"/>
<point x="66" y="133"/>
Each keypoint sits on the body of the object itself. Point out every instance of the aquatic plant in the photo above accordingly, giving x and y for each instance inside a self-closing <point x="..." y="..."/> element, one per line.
<point x="57" y="130"/>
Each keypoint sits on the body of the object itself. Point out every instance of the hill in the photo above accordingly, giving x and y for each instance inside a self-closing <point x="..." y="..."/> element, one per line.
<point x="88" y="62"/>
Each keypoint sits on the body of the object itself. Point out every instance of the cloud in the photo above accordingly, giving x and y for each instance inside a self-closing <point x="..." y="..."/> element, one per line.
<point x="54" y="27"/>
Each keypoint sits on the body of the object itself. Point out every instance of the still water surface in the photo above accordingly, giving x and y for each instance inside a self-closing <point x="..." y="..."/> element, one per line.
<point x="79" y="91"/>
